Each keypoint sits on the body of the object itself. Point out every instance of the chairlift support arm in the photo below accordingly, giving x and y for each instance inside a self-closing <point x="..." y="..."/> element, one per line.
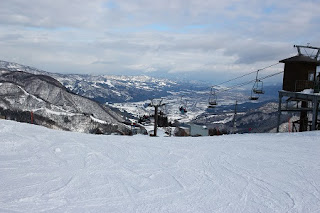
<point x="309" y="47"/>
<point x="257" y="75"/>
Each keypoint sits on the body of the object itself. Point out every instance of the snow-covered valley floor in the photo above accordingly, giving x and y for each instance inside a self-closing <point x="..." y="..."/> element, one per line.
<point x="43" y="170"/>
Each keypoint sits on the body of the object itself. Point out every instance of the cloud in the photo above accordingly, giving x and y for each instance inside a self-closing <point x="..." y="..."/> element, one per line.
<point x="103" y="62"/>
<point x="11" y="37"/>
<point x="49" y="14"/>
<point x="251" y="51"/>
<point x="196" y="38"/>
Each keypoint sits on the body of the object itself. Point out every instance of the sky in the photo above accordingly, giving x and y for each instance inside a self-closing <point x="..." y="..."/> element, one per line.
<point x="192" y="39"/>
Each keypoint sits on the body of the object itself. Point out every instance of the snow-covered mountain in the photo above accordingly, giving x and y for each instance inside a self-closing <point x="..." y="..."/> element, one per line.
<point x="43" y="100"/>
<point x="133" y="93"/>
<point x="110" y="88"/>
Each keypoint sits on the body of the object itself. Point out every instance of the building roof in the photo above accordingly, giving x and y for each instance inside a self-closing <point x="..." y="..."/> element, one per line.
<point x="301" y="59"/>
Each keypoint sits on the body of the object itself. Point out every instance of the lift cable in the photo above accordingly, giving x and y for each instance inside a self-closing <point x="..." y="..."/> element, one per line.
<point x="246" y="74"/>
<point x="248" y="82"/>
<point x="235" y="86"/>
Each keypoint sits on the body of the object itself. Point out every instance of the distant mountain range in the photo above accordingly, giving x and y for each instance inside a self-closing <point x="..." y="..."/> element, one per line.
<point x="109" y="88"/>
<point x="41" y="99"/>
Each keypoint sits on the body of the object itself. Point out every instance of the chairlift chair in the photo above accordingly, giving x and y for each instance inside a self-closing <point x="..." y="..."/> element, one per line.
<point x="253" y="97"/>
<point x="212" y="103"/>
<point x="258" y="87"/>
<point x="183" y="106"/>
<point x="182" y="109"/>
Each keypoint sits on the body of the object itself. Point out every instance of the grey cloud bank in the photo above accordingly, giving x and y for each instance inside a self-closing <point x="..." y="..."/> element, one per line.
<point x="197" y="39"/>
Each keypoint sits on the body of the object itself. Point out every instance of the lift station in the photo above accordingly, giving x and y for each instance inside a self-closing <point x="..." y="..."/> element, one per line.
<point x="301" y="87"/>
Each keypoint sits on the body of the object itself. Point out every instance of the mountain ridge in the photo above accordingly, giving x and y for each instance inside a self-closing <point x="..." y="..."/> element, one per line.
<point x="46" y="97"/>
<point x="111" y="88"/>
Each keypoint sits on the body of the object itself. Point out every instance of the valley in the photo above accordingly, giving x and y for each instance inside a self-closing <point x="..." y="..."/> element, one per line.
<point x="130" y="96"/>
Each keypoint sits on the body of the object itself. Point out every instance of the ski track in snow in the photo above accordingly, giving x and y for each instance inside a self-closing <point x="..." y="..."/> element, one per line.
<point x="43" y="170"/>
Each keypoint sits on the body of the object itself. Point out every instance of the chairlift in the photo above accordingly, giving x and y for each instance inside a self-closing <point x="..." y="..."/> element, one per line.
<point x="258" y="87"/>
<point x="253" y="97"/>
<point x="183" y="110"/>
<point x="212" y="103"/>
<point x="183" y="106"/>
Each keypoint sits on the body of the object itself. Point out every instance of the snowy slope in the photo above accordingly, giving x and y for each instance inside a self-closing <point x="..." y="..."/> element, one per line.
<point x="46" y="97"/>
<point x="43" y="170"/>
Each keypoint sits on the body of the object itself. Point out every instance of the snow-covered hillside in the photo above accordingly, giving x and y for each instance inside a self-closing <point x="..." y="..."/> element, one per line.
<point x="110" y="88"/>
<point x="43" y="170"/>
<point x="53" y="106"/>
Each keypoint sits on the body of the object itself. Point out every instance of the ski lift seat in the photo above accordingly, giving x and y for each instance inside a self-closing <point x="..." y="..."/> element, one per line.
<point x="213" y="103"/>
<point x="212" y="99"/>
<point x="253" y="98"/>
<point x="258" y="91"/>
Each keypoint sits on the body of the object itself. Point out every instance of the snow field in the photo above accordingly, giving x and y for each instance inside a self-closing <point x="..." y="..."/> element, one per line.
<point x="43" y="170"/>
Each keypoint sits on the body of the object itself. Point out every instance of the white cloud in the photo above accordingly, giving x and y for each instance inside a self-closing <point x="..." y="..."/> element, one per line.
<point x="177" y="36"/>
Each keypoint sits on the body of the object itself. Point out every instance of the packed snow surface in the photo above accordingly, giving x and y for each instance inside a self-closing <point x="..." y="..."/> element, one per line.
<point x="43" y="170"/>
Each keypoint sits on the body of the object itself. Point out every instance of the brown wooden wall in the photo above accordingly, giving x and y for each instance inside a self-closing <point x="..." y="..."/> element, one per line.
<point x="297" y="74"/>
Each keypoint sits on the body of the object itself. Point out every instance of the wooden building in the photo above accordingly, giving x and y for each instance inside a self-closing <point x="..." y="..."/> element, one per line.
<point x="299" y="73"/>
<point x="300" y="87"/>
